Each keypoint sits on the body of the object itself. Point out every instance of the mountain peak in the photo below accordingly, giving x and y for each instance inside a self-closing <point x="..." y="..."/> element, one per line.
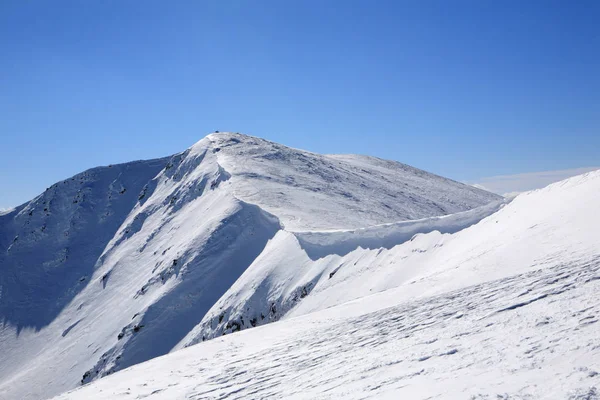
<point x="313" y="191"/>
<point x="161" y="241"/>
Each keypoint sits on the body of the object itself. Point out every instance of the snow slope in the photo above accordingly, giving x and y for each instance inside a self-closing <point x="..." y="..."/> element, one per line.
<point x="308" y="191"/>
<point x="293" y="264"/>
<point x="120" y="264"/>
<point x="505" y="308"/>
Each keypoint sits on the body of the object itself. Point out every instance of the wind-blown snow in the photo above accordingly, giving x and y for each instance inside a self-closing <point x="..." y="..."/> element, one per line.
<point x="505" y="308"/>
<point x="308" y="191"/>
<point x="122" y="264"/>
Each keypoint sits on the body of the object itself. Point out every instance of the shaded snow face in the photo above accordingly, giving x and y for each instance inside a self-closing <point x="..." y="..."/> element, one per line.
<point x="50" y="246"/>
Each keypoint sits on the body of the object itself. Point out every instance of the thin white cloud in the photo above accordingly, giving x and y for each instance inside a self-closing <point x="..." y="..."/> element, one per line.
<point x="4" y="210"/>
<point x="507" y="185"/>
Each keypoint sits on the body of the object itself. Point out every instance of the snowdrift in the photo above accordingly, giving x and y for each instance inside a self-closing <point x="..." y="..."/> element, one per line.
<point x="295" y="263"/>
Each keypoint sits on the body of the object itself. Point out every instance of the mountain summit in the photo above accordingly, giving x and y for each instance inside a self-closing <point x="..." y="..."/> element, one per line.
<point x="312" y="191"/>
<point x="124" y="263"/>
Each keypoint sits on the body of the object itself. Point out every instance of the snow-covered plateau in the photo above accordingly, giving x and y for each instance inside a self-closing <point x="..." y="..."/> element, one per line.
<point x="241" y="268"/>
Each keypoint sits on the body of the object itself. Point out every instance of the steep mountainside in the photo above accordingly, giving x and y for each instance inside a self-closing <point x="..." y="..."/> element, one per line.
<point x="49" y="246"/>
<point x="120" y="264"/>
<point x="506" y="308"/>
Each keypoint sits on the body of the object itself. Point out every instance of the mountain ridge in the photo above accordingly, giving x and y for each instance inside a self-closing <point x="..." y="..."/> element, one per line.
<point x="418" y="197"/>
<point x="510" y="300"/>
<point x="121" y="266"/>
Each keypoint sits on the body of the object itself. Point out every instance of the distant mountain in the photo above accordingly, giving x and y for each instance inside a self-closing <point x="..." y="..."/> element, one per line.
<point x="124" y="263"/>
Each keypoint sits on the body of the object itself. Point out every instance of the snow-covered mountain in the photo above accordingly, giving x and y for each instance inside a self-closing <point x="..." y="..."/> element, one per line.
<point x="121" y="264"/>
<point x="506" y="308"/>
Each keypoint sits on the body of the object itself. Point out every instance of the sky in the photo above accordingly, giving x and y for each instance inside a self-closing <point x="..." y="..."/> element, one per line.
<point x="464" y="89"/>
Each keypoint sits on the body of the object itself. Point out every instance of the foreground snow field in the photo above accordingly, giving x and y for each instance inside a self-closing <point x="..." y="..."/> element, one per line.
<point x="529" y="336"/>
<point x="121" y="264"/>
<point x="507" y="308"/>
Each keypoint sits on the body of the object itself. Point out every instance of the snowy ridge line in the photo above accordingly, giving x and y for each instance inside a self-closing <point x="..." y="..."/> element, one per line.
<point x="319" y="244"/>
<point x="234" y="243"/>
<point x="124" y="263"/>
<point x="287" y="270"/>
<point x="310" y="192"/>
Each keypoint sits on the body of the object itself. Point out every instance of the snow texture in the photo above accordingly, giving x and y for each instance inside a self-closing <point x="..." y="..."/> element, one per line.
<point x="125" y="263"/>
<point x="506" y="308"/>
<point x="308" y="191"/>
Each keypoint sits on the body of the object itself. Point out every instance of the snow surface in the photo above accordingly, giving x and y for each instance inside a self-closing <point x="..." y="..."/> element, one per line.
<point x="308" y="191"/>
<point x="121" y="264"/>
<point x="506" y="308"/>
<point x="293" y="264"/>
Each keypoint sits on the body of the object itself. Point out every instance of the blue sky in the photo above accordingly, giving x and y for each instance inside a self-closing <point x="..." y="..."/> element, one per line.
<point x="465" y="89"/>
